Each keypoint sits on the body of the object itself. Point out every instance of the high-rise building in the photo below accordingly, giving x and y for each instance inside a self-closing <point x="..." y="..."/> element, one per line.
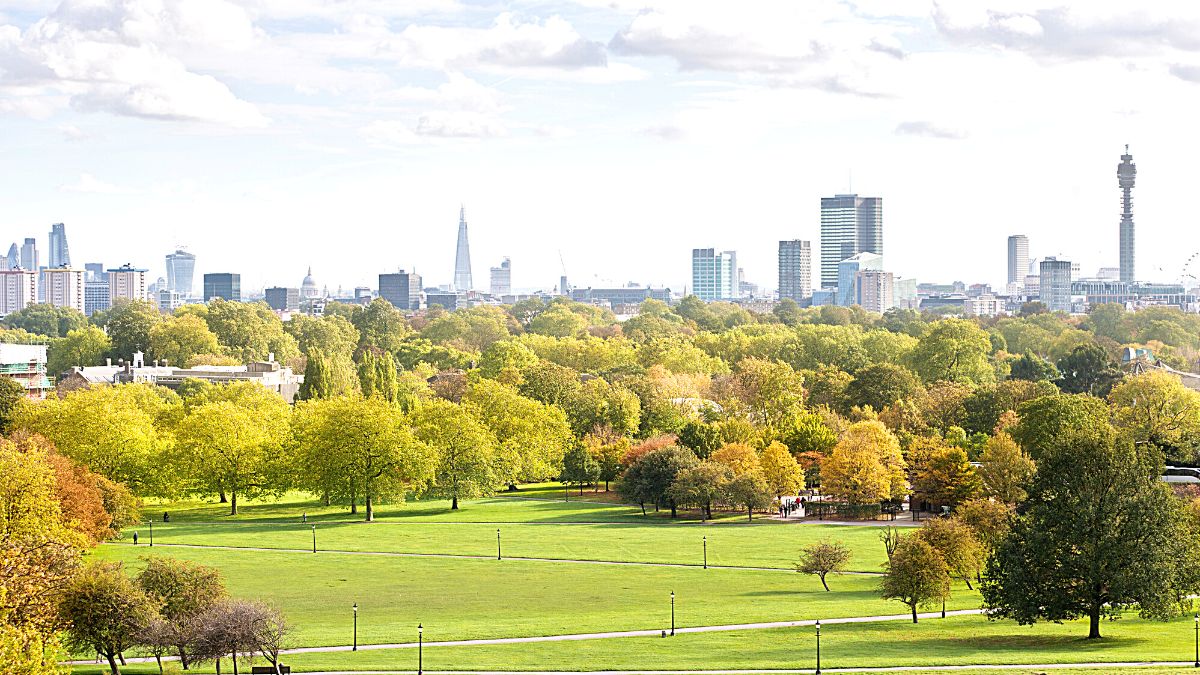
<point x="18" y="289"/>
<point x="30" y="259"/>
<point x="94" y="272"/>
<point x="60" y="255"/>
<point x="95" y="295"/>
<point x="848" y="274"/>
<point x="849" y="225"/>
<point x="62" y="287"/>
<point x="402" y="289"/>
<point x="1054" y="284"/>
<point x="876" y="290"/>
<point x="283" y="299"/>
<point x="501" y="281"/>
<point x="1126" y="173"/>
<point x="181" y="268"/>
<point x="223" y="285"/>
<point x="13" y="259"/>
<point x="714" y="275"/>
<point x="1018" y="258"/>
<point x="795" y="269"/>
<point x="462" y="256"/>
<point x="126" y="283"/>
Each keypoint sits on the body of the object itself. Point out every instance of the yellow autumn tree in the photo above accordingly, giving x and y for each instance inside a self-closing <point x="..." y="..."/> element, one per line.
<point x="866" y="466"/>
<point x="781" y="470"/>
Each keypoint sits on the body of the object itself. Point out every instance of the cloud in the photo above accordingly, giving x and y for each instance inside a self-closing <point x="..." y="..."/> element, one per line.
<point x="458" y="125"/>
<point x="929" y="130"/>
<point x="89" y="184"/>
<point x="665" y="132"/>
<point x="115" y="56"/>
<point x="72" y="132"/>
<point x="1185" y="72"/>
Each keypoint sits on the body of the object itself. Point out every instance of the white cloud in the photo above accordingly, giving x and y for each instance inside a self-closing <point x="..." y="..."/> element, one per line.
<point x="930" y="130"/>
<point x="89" y="184"/>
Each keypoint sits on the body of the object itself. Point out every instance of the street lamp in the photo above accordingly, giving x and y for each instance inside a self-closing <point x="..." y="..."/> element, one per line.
<point x="355" y="608"/>
<point x="151" y="532"/>
<point x="420" y="649"/>
<point x="818" y="647"/>
<point x="706" y="551"/>
<point x="1196" y="619"/>
<point x="672" y="612"/>
<point x="314" y="538"/>
<point x="497" y="543"/>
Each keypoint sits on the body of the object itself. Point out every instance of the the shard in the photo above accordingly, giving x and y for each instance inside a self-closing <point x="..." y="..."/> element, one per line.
<point x="462" y="258"/>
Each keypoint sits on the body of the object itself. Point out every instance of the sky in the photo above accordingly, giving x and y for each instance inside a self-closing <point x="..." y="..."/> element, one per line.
<point x="604" y="137"/>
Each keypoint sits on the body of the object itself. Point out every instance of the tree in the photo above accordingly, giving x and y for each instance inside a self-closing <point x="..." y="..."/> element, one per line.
<point x="46" y="319"/>
<point x="699" y="486"/>
<point x="650" y="476"/>
<point x="579" y="468"/>
<point x="915" y="575"/>
<point x="988" y="520"/>
<point x="1044" y="420"/>
<point x="1032" y="368"/>
<point x="866" y="466"/>
<point x="531" y="437"/>
<point x="941" y="473"/>
<point x="739" y="457"/>
<point x="781" y="470"/>
<point x="954" y="350"/>
<point x="234" y="448"/>
<point x="377" y="375"/>
<point x="882" y="384"/>
<point x="823" y="558"/>
<point x="382" y="326"/>
<point x="599" y="404"/>
<point x="464" y="448"/>
<point x="955" y="541"/>
<point x="1156" y="408"/>
<point x="1005" y="469"/>
<point x="249" y="331"/>
<point x="180" y="591"/>
<point x="749" y="490"/>
<point x="11" y="396"/>
<point x="128" y="325"/>
<point x="607" y="449"/>
<point x="86" y="346"/>
<point x="105" y="612"/>
<point x="1099" y="532"/>
<point x="178" y="339"/>
<point x="700" y="437"/>
<point x="1088" y="370"/>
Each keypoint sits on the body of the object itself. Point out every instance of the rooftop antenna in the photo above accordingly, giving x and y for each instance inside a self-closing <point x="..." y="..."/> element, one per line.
<point x="850" y="179"/>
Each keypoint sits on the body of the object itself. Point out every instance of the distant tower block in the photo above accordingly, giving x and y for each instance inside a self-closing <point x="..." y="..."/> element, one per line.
<point x="462" y="257"/>
<point x="1126" y="173"/>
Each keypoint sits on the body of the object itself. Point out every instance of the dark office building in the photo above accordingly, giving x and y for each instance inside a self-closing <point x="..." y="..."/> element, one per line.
<point x="282" y="299"/>
<point x="402" y="289"/>
<point x="224" y="285"/>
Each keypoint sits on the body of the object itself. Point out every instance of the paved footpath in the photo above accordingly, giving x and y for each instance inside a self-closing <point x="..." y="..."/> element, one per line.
<point x="486" y="557"/>
<point x="891" y="669"/>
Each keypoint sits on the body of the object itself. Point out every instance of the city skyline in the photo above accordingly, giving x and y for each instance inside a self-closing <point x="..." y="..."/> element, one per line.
<point x="576" y="112"/>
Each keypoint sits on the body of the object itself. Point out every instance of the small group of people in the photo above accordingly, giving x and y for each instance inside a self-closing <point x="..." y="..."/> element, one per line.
<point x="790" y="505"/>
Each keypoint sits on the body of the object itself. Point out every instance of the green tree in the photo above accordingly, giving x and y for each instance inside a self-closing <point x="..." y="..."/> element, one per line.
<point x="329" y="334"/>
<point x="650" y="476"/>
<point x="85" y="346"/>
<point x="599" y="404"/>
<point x="1156" y="408"/>
<point x="699" y="486"/>
<point x="1032" y="368"/>
<point x="248" y="331"/>
<point x="956" y="542"/>
<point x="1088" y="370"/>
<point x="988" y="520"/>
<point x="748" y="490"/>
<point x="882" y="384"/>
<point x="180" y="591"/>
<point x="1099" y="533"/>
<point x="954" y="350"/>
<point x="558" y="322"/>
<point x="700" y="437"/>
<point x="46" y="319"/>
<point x="941" y="473"/>
<point x="579" y="468"/>
<point x="532" y="437"/>
<point x="382" y="326"/>
<point x="105" y="612"/>
<point x="824" y="558"/>
<point x="180" y="338"/>
<point x="11" y="396"/>
<point x="128" y="324"/>
<point x="1005" y="469"/>
<point x="916" y="575"/>
<point x="465" y="450"/>
<point x="1044" y="420"/>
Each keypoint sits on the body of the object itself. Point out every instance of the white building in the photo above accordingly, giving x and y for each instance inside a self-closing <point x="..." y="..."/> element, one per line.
<point x="714" y="275"/>
<point x="27" y="365"/>
<point x="501" y="279"/>
<point x="270" y="374"/>
<point x="984" y="305"/>
<point x="19" y="289"/>
<point x="63" y="287"/>
<point x="126" y="283"/>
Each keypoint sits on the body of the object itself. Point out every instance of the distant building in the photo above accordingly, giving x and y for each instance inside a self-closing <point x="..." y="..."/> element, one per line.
<point x="181" y="267"/>
<point x="1018" y="258"/>
<point x="447" y="300"/>
<point x="283" y="299"/>
<point x="795" y="269"/>
<point x="63" y="287"/>
<point x="1126" y="175"/>
<point x="169" y="300"/>
<point x="30" y="259"/>
<point x="714" y="275"/>
<point x="462" y="256"/>
<point x="60" y="255"/>
<point x="402" y="289"/>
<point x="904" y="293"/>
<point x="12" y="261"/>
<point x="308" y="288"/>
<point x="94" y="271"/>
<point x="223" y="285"/>
<point x="875" y="290"/>
<point x="19" y="290"/>
<point x="363" y="295"/>
<point x="270" y="374"/>
<point x="126" y="283"/>
<point x="95" y="296"/>
<point x="630" y="295"/>
<point x="501" y="279"/>
<point x="984" y="305"/>
<point x="26" y="364"/>
<point x="1054" y="284"/>
<point x="849" y="225"/>
<point x="848" y="274"/>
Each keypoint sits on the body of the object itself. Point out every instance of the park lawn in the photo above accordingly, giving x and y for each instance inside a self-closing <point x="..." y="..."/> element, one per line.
<point x="469" y="599"/>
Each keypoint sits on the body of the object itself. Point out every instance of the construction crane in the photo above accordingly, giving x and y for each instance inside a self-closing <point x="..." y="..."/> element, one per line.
<point x="562" y="281"/>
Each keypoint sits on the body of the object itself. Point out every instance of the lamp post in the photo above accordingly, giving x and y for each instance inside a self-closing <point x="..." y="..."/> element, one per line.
<point x="818" y="647"/>
<point x="1196" y="620"/>
<point x="151" y="532"/>
<point x="355" y="608"/>
<point x="706" y="551"/>
<point x="566" y="492"/>
<point x="314" y="538"/>
<point x="420" y="649"/>
<point x="672" y="612"/>
<point x="497" y="543"/>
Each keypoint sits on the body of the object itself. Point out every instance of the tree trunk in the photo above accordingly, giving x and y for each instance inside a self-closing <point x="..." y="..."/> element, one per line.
<point x="121" y="658"/>
<point x="823" y="581"/>
<point x="233" y="504"/>
<point x="606" y="486"/>
<point x="235" y="672"/>
<point x="370" y="509"/>
<point x="749" y="514"/>
<point x="158" y="659"/>
<point x="673" y="512"/>
<point x="224" y="499"/>
<point x="643" y="505"/>
<point x="1094" y="622"/>
<point x="914" y="612"/>
<point x="968" y="580"/>
<point x="112" y="664"/>
<point x="353" y="505"/>
<point x="454" y="503"/>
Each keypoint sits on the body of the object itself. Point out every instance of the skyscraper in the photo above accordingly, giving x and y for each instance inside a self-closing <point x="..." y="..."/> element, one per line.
<point x="62" y="287"/>
<point x="402" y="289"/>
<point x="849" y="225"/>
<point x="18" y="289"/>
<point x="1126" y="172"/>
<point x="795" y="269"/>
<point x="1018" y="258"/>
<point x="125" y="283"/>
<point x="13" y="259"/>
<point x="714" y="275"/>
<point x="1054" y="284"/>
<point x="60" y="255"/>
<point x="223" y="285"/>
<point x="462" y="257"/>
<point x="501" y="281"/>
<point x="29" y="255"/>
<point x="181" y="267"/>
<point x="849" y="271"/>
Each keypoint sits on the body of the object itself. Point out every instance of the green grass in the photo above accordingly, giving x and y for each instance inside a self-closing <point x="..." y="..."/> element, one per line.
<point x="487" y="598"/>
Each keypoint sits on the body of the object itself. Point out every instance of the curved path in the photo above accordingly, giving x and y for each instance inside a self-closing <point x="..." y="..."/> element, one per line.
<point x="889" y="669"/>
